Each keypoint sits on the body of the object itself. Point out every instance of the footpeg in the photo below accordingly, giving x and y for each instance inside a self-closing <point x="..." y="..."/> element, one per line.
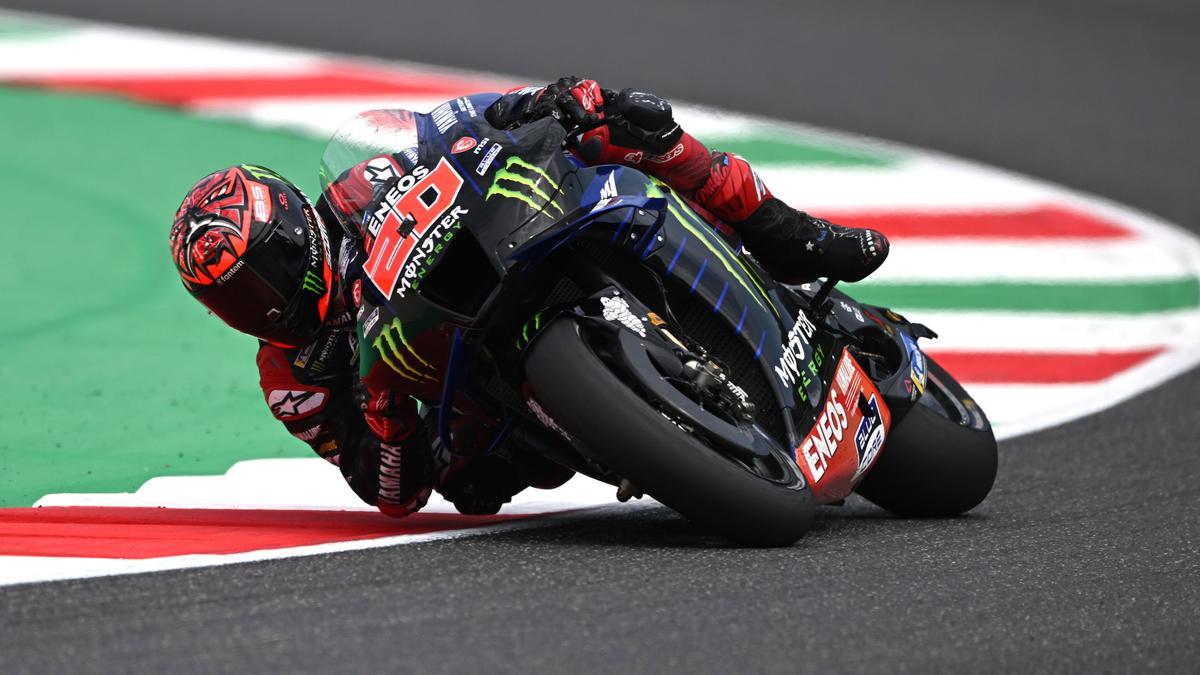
<point x="627" y="491"/>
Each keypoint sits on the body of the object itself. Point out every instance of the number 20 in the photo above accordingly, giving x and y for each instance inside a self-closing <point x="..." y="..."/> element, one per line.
<point x="424" y="203"/>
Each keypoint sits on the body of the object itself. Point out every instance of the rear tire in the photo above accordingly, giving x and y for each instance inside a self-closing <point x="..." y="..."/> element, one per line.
<point x="938" y="461"/>
<point x="616" y="427"/>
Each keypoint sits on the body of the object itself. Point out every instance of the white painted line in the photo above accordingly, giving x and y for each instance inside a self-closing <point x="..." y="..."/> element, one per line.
<point x="920" y="182"/>
<point x="1076" y="260"/>
<point x="33" y="569"/>
<point x="319" y="118"/>
<point x="307" y="483"/>
<point x="1057" y="333"/>
<point x="112" y="51"/>
<point x="1018" y="410"/>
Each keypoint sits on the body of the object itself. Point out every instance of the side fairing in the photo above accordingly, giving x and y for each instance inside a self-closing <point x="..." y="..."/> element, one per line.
<point x="784" y="343"/>
<point x="716" y="286"/>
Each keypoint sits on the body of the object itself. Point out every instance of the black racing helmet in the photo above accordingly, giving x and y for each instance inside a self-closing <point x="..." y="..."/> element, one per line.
<point x="248" y="244"/>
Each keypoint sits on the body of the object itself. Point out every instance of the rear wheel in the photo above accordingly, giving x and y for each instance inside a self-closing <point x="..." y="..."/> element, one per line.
<point x="760" y="503"/>
<point x="940" y="459"/>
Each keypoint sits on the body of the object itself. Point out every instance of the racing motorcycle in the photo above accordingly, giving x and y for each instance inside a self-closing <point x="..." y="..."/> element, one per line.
<point x="592" y="316"/>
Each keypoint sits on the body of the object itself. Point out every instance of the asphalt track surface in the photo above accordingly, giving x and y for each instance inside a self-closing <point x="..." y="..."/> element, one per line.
<point x="1083" y="559"/>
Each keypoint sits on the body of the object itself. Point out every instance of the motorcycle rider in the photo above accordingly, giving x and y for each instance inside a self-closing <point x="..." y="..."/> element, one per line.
<point x="251" y="247"/>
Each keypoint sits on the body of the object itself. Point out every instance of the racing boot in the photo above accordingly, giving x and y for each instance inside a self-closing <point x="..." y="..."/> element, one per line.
<point x="481" y="484"/>
<point x="797" y="248"/>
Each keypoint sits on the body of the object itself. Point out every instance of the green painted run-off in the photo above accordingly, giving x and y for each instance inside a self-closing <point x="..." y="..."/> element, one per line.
<point x="1134" y="297"/>
<point x="112" y="374"/>
<point x="781" y="148"/>
<point x="20" y="28"/>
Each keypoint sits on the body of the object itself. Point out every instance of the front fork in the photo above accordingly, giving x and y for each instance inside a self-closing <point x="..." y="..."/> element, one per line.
<point x="682" y="383"/>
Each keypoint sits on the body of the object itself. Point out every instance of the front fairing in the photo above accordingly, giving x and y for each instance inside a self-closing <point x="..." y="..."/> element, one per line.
<point x="405" y="186"/>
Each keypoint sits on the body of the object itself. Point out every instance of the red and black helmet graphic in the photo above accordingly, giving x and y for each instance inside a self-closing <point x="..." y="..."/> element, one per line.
<point x="212" y="225"/>
<point x="250" y="247"/>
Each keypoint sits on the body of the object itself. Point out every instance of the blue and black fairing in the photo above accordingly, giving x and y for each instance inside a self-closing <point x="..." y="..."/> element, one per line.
<point x="523" y="199"/>
<point x="702" y="265"/>
<point x="556" y="201"/>
<point x="624" y="208"/>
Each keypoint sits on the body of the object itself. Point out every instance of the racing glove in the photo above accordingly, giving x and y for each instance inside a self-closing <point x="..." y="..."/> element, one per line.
<point x="569" y="100"/>
<point x="630" y="120"/>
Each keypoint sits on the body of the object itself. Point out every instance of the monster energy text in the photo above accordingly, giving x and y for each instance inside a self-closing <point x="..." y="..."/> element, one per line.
<point x="429" y="250"/>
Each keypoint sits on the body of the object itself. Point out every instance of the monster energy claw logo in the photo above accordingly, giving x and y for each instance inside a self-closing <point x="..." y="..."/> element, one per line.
<point x="522" y="187"/>
<point x="260" y="172"/>
<point x="536" y="324"/>
<point x="395" y="351"/>
<point x="313" y="283"/>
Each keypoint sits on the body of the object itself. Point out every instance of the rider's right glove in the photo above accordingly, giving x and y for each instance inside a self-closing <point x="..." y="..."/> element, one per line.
<point x="637" y="122"/>
<point x="573" y="102"/>
<point x="611" y="124"/>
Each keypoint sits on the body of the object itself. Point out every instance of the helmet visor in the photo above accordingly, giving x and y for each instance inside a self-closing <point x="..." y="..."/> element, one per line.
<point x="279" y="291"/>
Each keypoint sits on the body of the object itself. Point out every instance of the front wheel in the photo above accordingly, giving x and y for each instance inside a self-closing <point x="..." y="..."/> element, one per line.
<point x="618" y="428"/>
<point x="940" y="459"/>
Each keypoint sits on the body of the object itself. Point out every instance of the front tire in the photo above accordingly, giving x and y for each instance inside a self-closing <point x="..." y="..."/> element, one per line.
<point x="940" y="460"/>
<point x="616" y="427"/>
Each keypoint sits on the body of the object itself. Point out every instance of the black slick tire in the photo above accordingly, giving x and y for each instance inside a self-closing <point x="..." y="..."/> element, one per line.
<point x="615" y="426"/>
<point x="934" y="466"/>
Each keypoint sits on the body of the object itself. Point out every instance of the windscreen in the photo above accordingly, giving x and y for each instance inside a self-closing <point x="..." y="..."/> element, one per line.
<point x="365" y="153"/>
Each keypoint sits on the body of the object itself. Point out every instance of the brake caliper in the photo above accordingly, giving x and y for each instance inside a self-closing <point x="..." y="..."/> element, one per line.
<point x="710" y="381"/>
